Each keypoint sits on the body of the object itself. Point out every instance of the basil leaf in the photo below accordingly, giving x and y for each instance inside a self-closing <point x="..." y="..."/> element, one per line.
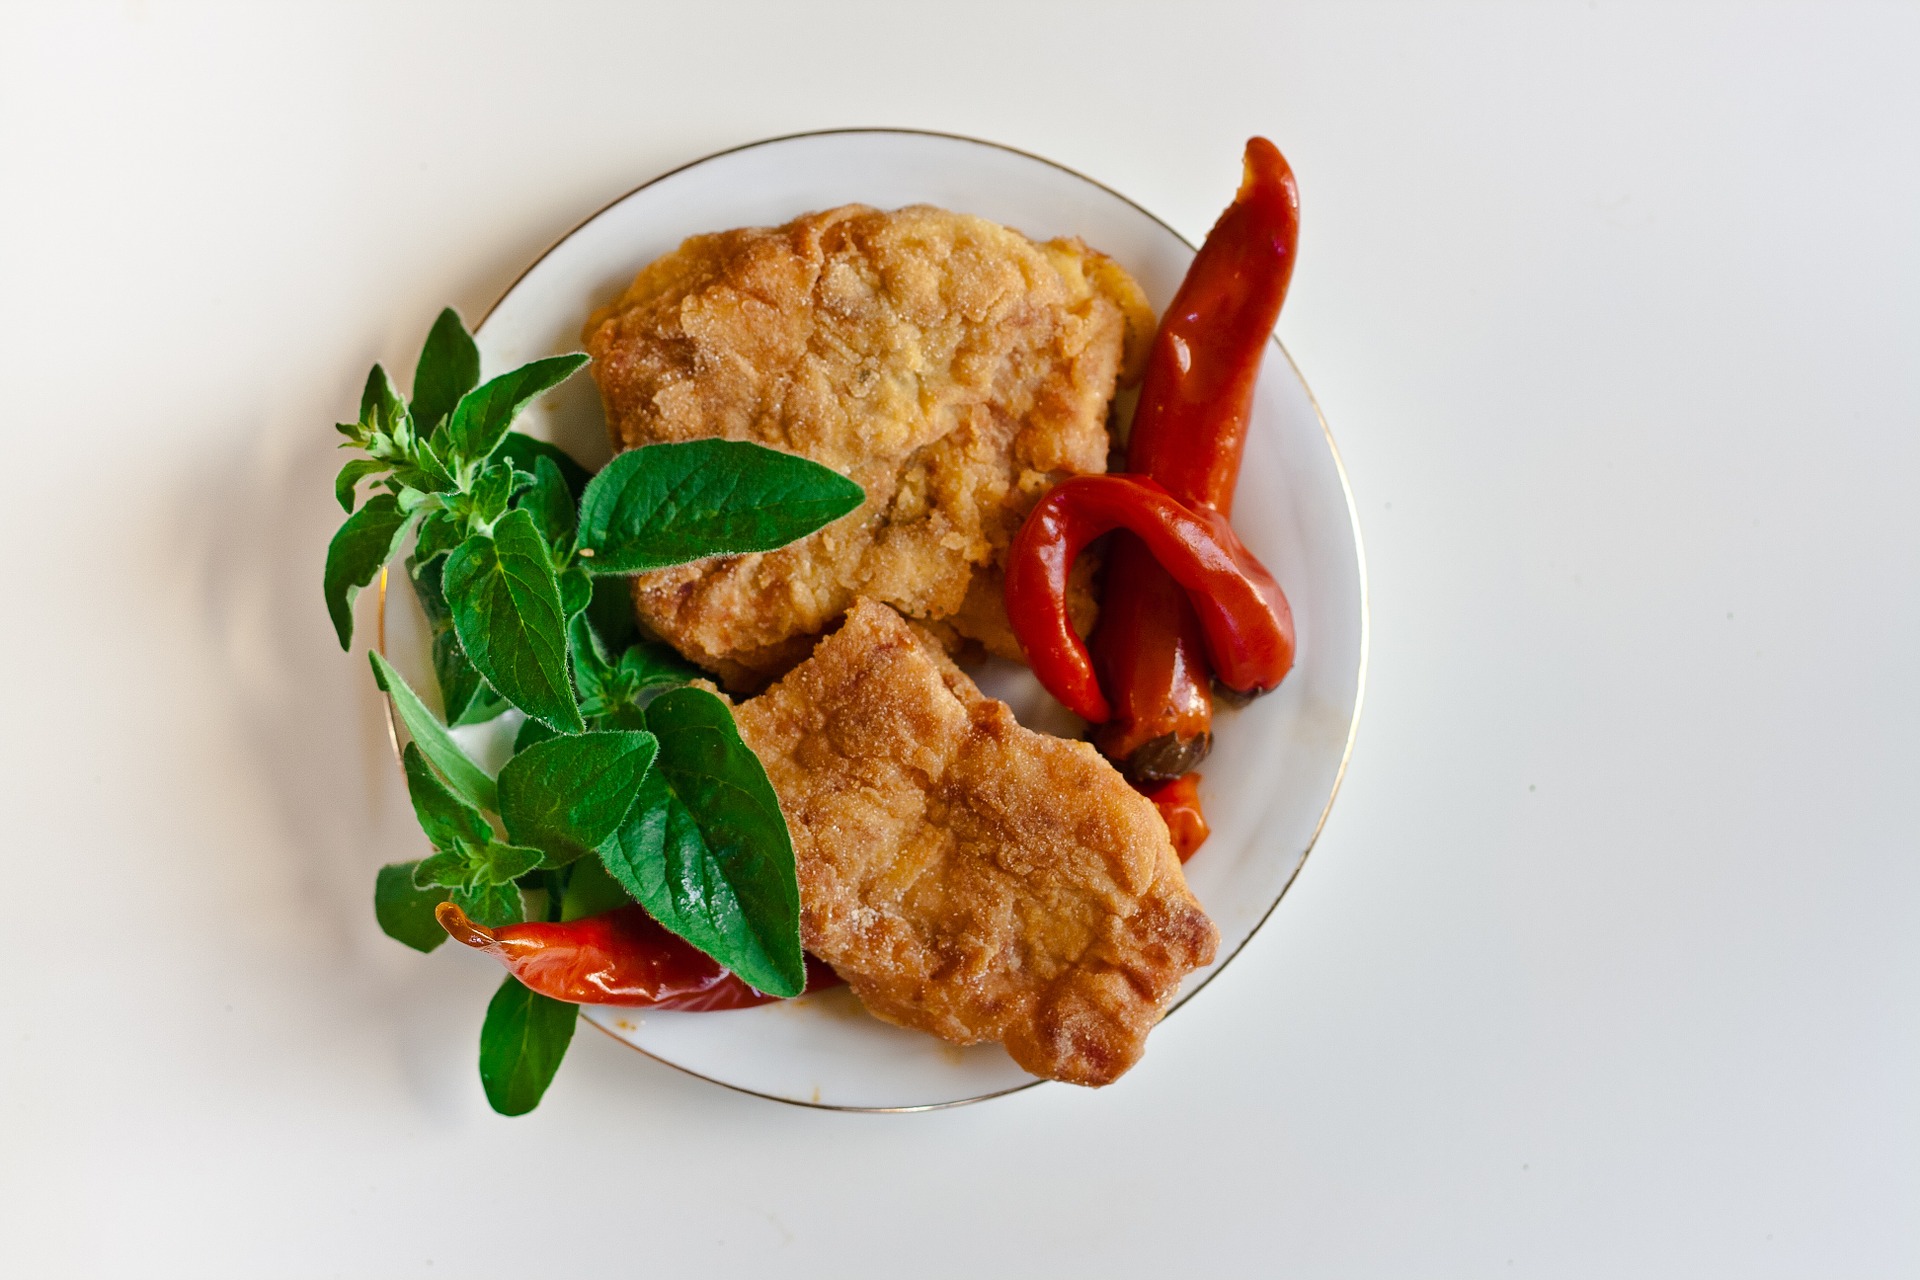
<point x="444" y="816"/>
<point x="449" y="367"/>
<point x="482" y="417"/>
<point x="379" y="401"/>
<point x="550" y="504"/>
<point x="507" y="612"/>
<point x="492" y="905"/>
<point x="467" y="697"/>
<point x="590" y="891"/>
<point x="666" y="504"/>
<point x="565" y="796"/>
<point x="706" y="849"/>
<point x="467" y="778"/>
<point x="350" y="476"/>
<point x="404" y="912"/>
<point x="524" y="451"/>
<point x="522" y="1042"/>
<point x="364" y="543"/>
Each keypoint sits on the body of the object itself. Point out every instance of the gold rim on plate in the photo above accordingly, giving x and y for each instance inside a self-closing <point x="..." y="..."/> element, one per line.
<point x="1353" y="520"/>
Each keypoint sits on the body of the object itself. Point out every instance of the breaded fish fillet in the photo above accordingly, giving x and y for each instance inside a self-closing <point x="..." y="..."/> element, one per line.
<point x="966" y="876"/>
<point x="953" y="367"/>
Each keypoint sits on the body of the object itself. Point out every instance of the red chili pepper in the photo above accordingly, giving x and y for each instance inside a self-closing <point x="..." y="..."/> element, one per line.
<point x="1189" y="432"/>
<point x="1179" y="805"/>
<point x="1244" y="619"/>
<point x="622" y="957"/>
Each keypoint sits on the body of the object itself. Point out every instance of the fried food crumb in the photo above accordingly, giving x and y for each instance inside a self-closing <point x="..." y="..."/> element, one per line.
<point x="966" y="876"/>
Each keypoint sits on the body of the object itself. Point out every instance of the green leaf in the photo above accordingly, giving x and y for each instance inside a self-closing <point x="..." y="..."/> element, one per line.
<point x="379" y="400"/>
<point x="530" y="732"/>
<point x="364" y="543"/>
<point x="615" y="694"/>
<point x="447" y="869"/>
<point x="507" y="612"/>
<point x="404" y="912"/>
<point x="667" y="504"/>
<point x="440" y="532"/>
<point x="706" y="849"/>
<point x="524" y="451"/>
<point x="492" y="905"/>
<point x="499" y="863"/>
<point x="522" y="1042"/>
<point x="444" y="816"/>
<point x="566" y="795"/>
<point x="576" y="592"/>
<point x="467" y="697"/>
<point x="449" y="367"/>
<point x="647" y="663"/>
<point x="590" y="891"/>
<point x="350" y="476"/>
<point x="482" y="417"/>
<point x="550" y="503"/>
<point x="611" y="613"/>
<point x="468" y="779"/>
<point x="430" y="475"/>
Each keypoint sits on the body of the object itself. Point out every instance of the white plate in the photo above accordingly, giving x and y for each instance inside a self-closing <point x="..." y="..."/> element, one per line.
<point x="1275" y="765"/>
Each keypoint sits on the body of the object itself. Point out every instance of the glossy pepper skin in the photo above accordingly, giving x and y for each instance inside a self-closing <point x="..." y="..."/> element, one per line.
<point x="1179" y="805"/>
<point x="619" y="957"/>
<point x="1189" y="433"/>
<point x="1246" y="627"/>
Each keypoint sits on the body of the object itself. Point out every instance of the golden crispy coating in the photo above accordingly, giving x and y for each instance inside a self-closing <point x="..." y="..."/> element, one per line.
<point x="951" y="366"/>
<point x="966" y="876"/>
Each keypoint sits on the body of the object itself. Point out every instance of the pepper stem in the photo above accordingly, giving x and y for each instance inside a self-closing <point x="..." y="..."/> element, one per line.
<point x="461" y="928"/>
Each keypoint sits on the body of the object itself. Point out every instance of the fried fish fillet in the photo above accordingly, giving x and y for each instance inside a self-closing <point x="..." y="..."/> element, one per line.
<point x="954" y="368"/>
<point x="966" y="876"/>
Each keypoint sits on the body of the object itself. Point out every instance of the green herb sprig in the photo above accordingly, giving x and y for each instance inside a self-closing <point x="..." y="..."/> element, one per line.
<point x="627" y="783"/>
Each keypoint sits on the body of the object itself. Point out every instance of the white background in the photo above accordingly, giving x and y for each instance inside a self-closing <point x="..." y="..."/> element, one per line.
<point x="1607" y="962"/>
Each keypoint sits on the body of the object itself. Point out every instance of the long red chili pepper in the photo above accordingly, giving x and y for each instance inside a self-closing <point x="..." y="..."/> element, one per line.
<point x="619" y="957"/>
<point x="1189" y="432"/>
<point x="1244" y="620"/>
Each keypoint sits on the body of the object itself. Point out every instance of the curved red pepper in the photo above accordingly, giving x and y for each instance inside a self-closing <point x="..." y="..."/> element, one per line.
<point x="1189" y="432"/>
<point x="1244" y="619"/>
<point x="619" y="957"/>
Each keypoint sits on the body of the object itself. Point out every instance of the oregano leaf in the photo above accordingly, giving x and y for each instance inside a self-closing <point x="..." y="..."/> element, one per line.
<point x="445" y="817"/>
<point x="405" y="912"/>
<point x="349" y="478"/>
<point x="705" y="848"/>
<point x="522" y="1042"/>
<point x="508" y="614"/>
<point x="567" y="795"/>
<point x="449" y="367"/>
<point x="480" y="420"/>
<point x="668" y="504"/>
<point x="356" y="555"/>
<point x="467" y="778"/>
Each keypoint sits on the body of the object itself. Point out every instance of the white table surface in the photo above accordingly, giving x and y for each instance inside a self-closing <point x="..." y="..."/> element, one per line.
<point x="1607" y="963"/>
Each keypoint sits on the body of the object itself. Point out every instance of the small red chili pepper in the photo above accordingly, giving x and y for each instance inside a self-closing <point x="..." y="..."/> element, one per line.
<point x="1244" y="619"/>
<point x="621" y="957"/>
<point x="1179" y="805"/>
<point x="1189" y="432"/>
